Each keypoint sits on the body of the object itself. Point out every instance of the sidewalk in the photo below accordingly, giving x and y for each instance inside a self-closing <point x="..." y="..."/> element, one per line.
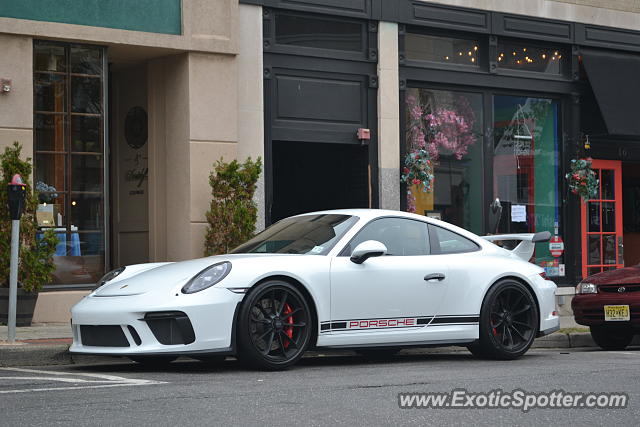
<point x="40" y="344"/>
<point x="47" y="344"/>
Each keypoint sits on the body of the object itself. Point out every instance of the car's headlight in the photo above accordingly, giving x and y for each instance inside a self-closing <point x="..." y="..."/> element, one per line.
<point x="586" y="288"/>
<point x="207" y="277"/>
<point x="110" y="276"/>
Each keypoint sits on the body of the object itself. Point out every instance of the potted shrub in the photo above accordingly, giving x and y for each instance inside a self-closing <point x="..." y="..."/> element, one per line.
<point x="233" y="213"/>
<point x="36" y="251"/>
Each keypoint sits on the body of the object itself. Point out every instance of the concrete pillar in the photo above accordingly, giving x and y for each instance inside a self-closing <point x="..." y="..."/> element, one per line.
<point x="213" y="132"/>
<point x="16" y="106"/>
<point x="250" y="96"/>
<point x="193" y="117"/>
<point x="388" y="116"/>
<point x="169" y="176"/>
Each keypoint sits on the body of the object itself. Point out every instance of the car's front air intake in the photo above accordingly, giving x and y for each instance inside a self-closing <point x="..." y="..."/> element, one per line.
<point x="170" y="327"/>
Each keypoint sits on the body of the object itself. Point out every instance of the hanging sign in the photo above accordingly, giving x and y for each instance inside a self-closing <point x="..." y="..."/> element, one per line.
<point x="556" y="246"/>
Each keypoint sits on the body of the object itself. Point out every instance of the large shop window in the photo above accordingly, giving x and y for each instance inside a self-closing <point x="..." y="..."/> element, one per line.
<point x="69" y="156"/>
<point x="448" y="126"/>
<point x="525" y="170"/>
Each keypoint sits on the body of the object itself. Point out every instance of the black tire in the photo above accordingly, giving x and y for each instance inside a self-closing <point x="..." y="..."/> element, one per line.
<point x="509" y="322"/>
<point x="275" y="326"/>
<point x="378" y="353"/>
<point x="611" y="337"/>
<point x="153" y="361"/>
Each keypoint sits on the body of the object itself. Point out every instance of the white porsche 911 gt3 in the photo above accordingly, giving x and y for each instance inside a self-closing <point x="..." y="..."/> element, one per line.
<point x="371" y="280"/>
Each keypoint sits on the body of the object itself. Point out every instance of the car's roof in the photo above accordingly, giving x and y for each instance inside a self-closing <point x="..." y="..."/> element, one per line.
<point x="367" y="213"/>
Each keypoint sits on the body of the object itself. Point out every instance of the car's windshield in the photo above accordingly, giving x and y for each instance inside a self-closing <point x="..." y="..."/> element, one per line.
<point x="307" y="234"/>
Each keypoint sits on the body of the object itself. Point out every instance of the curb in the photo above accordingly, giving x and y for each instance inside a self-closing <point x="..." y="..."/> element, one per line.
<point x="42" y="355"/>
<point x="58" y="354"/>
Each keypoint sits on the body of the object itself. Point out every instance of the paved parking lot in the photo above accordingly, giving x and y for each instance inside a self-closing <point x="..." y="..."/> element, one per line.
<point x="344" y="390"/>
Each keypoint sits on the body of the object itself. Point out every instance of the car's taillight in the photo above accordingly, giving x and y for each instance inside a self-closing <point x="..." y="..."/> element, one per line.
<point x="544" y="275"/>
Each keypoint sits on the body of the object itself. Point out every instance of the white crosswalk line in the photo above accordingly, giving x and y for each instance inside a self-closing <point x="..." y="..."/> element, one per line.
<point x="90" y="380"/>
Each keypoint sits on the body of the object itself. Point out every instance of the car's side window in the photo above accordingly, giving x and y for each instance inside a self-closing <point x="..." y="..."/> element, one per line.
<point x="403" y="237"/>
<point x="444" y="241"/>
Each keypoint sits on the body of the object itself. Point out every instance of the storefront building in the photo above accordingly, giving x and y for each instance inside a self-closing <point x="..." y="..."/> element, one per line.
<point x="125" y="110"/>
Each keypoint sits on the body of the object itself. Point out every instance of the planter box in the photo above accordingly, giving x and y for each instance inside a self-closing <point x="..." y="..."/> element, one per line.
<point x="24" y="309"/>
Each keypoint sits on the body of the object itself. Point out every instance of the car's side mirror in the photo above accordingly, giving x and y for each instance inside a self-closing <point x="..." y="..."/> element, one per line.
<point x="366" y="250"/>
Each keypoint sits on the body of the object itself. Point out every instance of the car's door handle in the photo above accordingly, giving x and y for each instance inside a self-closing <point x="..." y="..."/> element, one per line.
<point x="434" y="276"/>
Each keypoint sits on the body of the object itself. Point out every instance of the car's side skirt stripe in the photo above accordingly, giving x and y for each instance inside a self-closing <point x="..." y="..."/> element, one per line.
<point x="397" y="323"/>
<point x="456" y="319"/>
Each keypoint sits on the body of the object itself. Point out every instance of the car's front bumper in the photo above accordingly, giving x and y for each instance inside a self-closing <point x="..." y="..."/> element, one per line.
<point x="588" y="309"/>
<point x="135" y="325"/>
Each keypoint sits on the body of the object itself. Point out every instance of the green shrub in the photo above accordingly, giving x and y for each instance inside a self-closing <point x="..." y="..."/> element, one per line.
<point x="36" y="255"/>
<point x="233" y="213"/>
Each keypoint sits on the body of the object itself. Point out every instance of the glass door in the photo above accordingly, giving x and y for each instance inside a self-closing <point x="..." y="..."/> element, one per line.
<point x="602" y="221"/>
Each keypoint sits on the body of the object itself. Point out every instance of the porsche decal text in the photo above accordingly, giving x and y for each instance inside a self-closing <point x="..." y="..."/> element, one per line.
<point x="381" y="323"/>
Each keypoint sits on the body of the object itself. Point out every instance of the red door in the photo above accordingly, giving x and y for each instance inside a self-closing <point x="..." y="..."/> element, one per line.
<point x="602" y="221"/>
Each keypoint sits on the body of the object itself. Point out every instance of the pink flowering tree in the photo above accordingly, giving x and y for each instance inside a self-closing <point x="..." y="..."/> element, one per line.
<point x="433" y="131"/>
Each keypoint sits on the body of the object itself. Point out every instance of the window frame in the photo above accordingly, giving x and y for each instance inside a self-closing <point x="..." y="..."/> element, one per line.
<point x="368" y="51"/>
<point x="68" y="115"/>
<point x="565" y="69"/>
<point x="482" y="40"/>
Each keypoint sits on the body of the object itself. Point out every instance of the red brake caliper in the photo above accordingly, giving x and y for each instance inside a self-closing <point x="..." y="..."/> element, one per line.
<point x="288" y="331"/>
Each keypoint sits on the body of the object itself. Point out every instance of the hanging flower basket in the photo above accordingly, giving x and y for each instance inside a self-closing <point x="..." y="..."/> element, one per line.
<point x="582" y="179"/>
<point x="418" y="170"/>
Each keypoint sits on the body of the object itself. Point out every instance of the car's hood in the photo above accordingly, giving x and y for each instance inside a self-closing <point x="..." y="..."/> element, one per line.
<point x="621" y="276"/>
<point x="172" y="277"/>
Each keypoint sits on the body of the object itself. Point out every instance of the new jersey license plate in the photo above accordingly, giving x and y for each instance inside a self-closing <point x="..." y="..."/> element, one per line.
<point x="616" y="313"/>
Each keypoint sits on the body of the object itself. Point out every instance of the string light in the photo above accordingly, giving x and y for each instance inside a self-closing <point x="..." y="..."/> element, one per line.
<point x="475" y="48"/>
<point x="446" y="57"/>
<point x="460" y="53"/>
<point x="473" y="59"/>
<point x="469" y="53"/>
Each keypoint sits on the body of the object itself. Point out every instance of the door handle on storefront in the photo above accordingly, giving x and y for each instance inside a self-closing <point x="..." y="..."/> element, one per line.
<point x="620" y="250"/>
<point x="434" y="276"/>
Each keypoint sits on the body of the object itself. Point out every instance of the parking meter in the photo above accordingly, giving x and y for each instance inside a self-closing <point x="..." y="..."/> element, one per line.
<point x="17" y="192"/>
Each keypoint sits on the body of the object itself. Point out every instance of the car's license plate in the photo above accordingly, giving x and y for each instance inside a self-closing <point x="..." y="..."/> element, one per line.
<point x="616" y="313"/>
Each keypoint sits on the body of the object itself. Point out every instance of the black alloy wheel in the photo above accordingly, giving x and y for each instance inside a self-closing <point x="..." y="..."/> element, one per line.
<point x="612" y="337"/>
<point x="508" y="322"/>
<point x="274" y="326"/>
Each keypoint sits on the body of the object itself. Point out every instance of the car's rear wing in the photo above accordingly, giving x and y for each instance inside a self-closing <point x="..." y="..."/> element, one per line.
<point x="527" y="243"/>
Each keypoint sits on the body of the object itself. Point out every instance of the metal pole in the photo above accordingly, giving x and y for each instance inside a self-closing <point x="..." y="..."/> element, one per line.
<point x="13" y="279"/>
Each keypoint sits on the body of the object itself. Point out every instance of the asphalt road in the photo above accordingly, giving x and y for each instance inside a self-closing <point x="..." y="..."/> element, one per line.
<point x="331" y="390"/>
